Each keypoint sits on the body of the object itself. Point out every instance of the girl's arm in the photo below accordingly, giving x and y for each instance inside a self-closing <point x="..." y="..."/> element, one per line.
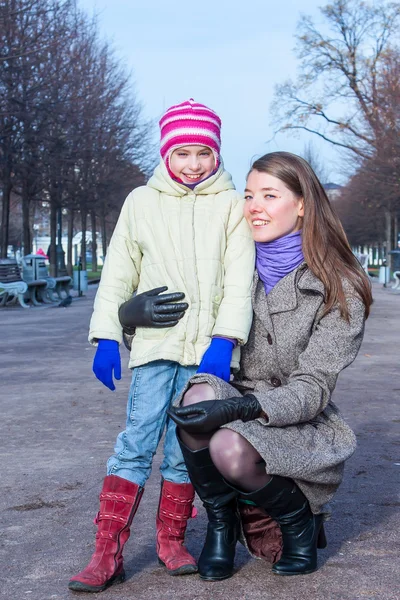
<point x="235" y="312"/>
<point x="119" y="277"/>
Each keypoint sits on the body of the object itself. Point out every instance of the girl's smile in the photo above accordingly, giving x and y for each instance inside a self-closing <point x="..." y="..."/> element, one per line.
<point x="192" y="164"/>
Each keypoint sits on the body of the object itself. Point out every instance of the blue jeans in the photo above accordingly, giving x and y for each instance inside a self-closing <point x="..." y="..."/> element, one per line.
<point x="154" y="386"/>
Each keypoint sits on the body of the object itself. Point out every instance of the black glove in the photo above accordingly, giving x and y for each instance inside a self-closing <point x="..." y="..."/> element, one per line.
<point x="207" y="416"/>
<point x="152" y="310"/>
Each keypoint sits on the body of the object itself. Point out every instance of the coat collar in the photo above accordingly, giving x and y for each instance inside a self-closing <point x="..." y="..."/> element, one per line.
<point x="308" y="281"/>
<point x="161" y="180"/>
<point x="283" y="296"/>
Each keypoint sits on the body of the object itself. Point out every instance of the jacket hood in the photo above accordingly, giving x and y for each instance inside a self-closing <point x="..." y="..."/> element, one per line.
<point x="161" y="181"/>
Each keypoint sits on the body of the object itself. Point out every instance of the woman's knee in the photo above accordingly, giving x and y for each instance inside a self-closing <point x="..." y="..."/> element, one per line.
<point x="230" y="454"/>
<point x="198" y="393"/>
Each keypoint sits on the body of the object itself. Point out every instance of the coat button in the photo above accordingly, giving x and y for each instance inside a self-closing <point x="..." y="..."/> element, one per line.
<point x="276" y="382"/>
<point x="217" y="298"/>
<point x="269" y="339"/>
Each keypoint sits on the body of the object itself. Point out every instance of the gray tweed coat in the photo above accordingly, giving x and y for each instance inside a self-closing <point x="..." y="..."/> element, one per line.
<point x="291" y="363"/>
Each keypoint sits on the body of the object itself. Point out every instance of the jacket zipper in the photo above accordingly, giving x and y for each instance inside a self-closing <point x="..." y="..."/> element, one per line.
<point x="197" y="280"/>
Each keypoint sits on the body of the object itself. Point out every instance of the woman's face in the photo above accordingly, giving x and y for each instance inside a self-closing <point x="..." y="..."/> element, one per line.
<point x="271" y="209"/>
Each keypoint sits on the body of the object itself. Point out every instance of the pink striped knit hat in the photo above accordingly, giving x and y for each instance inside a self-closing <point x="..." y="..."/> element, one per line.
<point x="186" y="124"/>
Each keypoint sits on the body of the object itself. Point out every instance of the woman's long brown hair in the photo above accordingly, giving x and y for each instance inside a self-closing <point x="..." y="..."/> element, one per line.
<point x="325" y="246"/>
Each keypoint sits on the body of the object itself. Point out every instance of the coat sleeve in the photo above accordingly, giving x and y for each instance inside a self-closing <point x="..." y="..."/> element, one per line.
<point x="119" y="277"/>
<point x="333" y="346"/>
<point x="235" y="312"/>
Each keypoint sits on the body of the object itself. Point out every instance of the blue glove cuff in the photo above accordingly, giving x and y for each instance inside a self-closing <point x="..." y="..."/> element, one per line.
<point x="108" y="345"/>
<point x="222" y="343"/>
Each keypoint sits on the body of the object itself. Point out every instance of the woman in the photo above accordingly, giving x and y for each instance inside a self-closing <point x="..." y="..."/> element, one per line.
<point x="282" y="445"/>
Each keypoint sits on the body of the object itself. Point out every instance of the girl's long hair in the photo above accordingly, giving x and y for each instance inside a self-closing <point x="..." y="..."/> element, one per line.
<point x="325" y="246"/>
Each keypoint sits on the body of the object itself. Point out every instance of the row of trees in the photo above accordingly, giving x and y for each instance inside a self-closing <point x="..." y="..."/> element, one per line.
<point x="348" y="94"/>
<point x="71" y="129"/>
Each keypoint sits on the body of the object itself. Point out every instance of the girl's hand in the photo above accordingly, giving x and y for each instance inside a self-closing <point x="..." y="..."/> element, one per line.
<point x="217" y="358"/>
<point x="107" y="362"/>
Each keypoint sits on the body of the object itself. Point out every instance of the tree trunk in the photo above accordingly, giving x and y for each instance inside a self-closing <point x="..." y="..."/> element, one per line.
<point x="53" y="238"/>
<point x="83" y="241"/>
<point x="5" y="217"/>
<point x="32" y="219"/>
<point x="396" y="231"/>
<point x="103" y="234"/>
<point x="26" y="227"/>
<point x="94" y="241"/>
<point x="380" y="254"/>
<point x="69" y="242"/>
<point x="389" y="240"/>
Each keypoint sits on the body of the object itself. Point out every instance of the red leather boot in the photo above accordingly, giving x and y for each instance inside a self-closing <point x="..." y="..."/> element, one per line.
<point x="119" y="500"/>
<point x="174" y="510"/>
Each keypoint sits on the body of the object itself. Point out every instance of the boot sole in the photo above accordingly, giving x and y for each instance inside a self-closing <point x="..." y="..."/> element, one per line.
<point x="283" y="574"/>
<point x="78" y="586"/>
<point x="184" y="570"/>
<point x="204" y="578"/>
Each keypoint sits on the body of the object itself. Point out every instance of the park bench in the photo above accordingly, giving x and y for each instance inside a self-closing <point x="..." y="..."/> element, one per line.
<point x="12" y="285"/>
<point x="44" y="292"/>
<point x="34" y="266"/>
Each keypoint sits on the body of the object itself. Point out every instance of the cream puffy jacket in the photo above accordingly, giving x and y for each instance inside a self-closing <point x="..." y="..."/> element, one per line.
<point x="193" y="241"/>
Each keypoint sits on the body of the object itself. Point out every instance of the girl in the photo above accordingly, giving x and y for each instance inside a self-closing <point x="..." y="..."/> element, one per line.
<point x="185" y="229"/>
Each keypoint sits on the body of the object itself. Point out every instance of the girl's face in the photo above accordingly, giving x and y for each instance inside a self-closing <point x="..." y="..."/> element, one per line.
<point x="271" y="209"/>
<point x="192" y="163"/>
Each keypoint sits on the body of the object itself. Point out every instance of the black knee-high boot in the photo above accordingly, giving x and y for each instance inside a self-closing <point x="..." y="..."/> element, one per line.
<point x="302" y="532"/>
<point x="220" y="501"/>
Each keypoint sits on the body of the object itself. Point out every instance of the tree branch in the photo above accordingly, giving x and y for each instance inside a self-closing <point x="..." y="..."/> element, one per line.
<point x="324" y="137"/>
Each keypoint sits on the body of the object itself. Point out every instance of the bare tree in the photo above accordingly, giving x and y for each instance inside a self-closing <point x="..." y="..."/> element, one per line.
<point x="311" y="155"/>
<point x="341" y="94"/>
<point x="25" y="36"/>
<point x="336" y="96"/>
<point x="71" y="128"/>
<point x="374" y="190"/>
<point x="360" y="210"/>
<point x="114" y="134"/>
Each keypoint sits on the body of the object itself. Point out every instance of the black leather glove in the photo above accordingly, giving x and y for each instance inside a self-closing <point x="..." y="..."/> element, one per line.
<point x="207" y="416"/>
<point x="150" y="309"/>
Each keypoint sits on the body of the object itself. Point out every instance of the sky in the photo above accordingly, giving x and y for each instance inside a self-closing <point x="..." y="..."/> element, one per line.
<point x="225" y="54"/>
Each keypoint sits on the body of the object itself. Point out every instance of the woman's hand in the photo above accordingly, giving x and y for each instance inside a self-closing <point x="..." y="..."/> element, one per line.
<point x="209" y="415"/>
<point x="150" y="309"/>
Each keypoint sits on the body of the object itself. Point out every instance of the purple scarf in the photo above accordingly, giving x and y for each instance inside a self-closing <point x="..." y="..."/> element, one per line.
<point x="278" y="258"/>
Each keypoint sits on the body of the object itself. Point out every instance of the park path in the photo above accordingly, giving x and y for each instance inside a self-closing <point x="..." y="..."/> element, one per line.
<point x="58" y="426"/>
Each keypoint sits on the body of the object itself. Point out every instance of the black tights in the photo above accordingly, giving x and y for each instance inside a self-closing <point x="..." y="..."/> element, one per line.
<point x="235" y="458"/>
